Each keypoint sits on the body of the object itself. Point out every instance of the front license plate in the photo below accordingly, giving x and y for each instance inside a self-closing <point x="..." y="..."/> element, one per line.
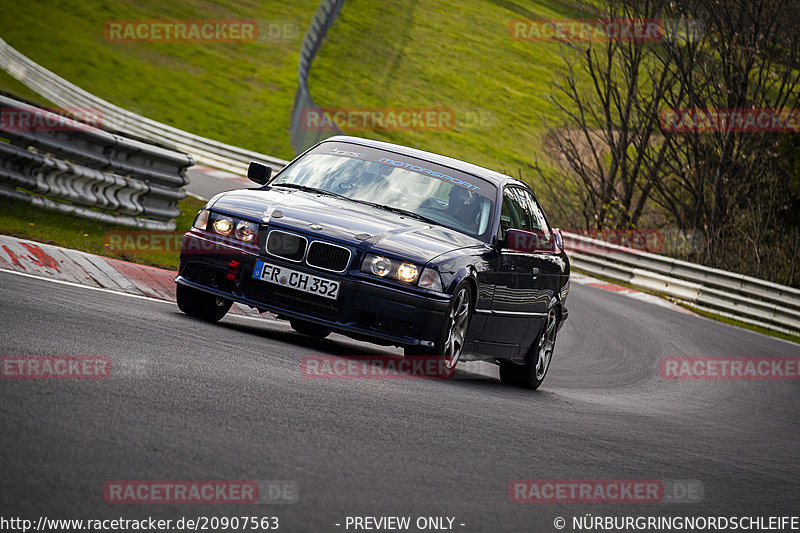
<point x="293" y="279"/>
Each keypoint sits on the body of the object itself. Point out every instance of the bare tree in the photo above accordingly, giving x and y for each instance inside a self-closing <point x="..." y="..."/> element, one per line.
<point x="610" y="93"/>
<point x="737" y="187"/>
<point x="727" y="181"/>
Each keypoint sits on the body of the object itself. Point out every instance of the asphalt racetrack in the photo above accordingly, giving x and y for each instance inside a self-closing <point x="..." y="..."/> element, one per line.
<point x="193" y="401"/>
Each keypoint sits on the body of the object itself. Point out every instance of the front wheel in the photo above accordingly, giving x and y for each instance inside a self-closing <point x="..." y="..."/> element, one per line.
<point x="450" y="342"/>
<point x="532" y="373"/>
<point x="201" y="304"/>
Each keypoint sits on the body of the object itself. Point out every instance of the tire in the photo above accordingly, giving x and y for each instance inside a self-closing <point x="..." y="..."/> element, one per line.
<point x="540" y="355"/>
<point x="201" y="304"/>
<point x="309" y="328"/>
<point x="450" y="341"/>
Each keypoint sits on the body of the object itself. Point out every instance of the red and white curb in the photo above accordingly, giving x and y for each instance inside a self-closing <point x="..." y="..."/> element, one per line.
<point x="582" y="279"/>
<point x="73" y="266"/>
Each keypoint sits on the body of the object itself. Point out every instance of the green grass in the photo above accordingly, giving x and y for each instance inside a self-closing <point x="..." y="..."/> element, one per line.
<point x="239" y="93"/>
<point x="21" y="220"/>
<point x="452" y="54"/>
<point x="405" y="53"/>
<point x="17" y="88"/>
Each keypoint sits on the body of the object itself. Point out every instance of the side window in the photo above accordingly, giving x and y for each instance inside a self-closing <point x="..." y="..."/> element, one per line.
<point x="539" y="223"/>
<point x="513" y="214"/>
<point x="521" y="211"/>
<point x="537" y="215"/>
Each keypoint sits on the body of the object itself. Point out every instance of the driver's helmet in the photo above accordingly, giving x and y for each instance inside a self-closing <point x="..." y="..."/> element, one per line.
<point x="464" y="205"/>
<point x="384" y="171"/>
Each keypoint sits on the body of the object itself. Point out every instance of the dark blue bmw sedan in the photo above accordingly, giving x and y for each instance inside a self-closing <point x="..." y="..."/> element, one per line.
<point x="387" y="244"/>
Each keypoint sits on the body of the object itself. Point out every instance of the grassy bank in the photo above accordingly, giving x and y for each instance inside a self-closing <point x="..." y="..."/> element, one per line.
<point x="16" y="88"/>
<point x="240" y="93"/>
<point x="22" y="220"/>
<point x="450" y="54"/>
<point x="453" y="54"/>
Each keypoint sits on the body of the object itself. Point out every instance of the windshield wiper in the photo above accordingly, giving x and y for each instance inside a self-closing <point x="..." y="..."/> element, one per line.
<point x="311" y="189"/>
<point x="399" y="211"/>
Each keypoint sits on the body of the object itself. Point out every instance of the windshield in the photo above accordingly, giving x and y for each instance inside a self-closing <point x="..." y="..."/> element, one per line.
<point x="430" y="192"/>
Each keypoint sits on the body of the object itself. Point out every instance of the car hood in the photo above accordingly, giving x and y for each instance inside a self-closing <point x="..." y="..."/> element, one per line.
<point x="370" y="228"/>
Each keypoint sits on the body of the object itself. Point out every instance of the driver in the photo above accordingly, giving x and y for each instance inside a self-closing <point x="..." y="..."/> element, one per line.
<point x="371" y="178"/>
<point x="464" y="206"/>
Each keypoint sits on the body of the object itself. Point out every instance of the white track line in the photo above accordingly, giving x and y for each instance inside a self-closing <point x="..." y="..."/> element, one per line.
<point x="112" y="291"/>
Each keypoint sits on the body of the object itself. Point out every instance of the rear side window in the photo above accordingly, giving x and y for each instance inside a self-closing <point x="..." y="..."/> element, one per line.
<point x="515" y="213"/>
<point x="520" y="210"/>
<point x="538" y="221"/>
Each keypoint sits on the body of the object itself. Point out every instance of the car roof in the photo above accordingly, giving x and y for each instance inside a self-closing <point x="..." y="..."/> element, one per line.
<point x="493" y="177"/>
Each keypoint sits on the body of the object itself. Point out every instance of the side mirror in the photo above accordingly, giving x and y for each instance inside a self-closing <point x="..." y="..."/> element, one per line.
<point x="259" y="173"/>
<point x="518" y="240"/>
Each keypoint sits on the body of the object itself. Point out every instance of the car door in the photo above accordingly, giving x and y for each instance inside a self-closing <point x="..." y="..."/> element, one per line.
<point x="517" y="304"/>
<point x="551" y="265"/>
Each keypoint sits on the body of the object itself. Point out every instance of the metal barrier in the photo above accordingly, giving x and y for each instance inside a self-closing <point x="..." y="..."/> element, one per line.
<point x="302" y="136"/>
<point x="744" y="298"/>
<point x="65" y="94"/>
<point x="102" y="175"/>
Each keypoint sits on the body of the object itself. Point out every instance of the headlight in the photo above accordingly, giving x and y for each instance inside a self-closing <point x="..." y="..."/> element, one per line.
<point x="407" y="273"/>
<point x="245" y="231"/>
<point x="390" y="268"/>
<point x="241" y="230"/>
<point x="380" y="266"/>
<point x="223" y="226"/>
<point x="201" y="220"/>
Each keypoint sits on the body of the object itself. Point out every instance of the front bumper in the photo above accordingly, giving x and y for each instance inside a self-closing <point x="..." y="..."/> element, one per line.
<point x="364" y="309"/>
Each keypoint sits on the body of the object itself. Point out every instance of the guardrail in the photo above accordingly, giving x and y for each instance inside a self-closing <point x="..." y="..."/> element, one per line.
<point x="744" y="298"/>
<point x="302" y="136"/>
<point x="103" y="176"/>
<point x="65" y="94"/>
